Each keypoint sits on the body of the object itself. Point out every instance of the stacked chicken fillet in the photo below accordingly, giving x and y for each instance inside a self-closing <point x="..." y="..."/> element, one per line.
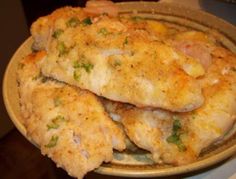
<point x="97" y="78"/>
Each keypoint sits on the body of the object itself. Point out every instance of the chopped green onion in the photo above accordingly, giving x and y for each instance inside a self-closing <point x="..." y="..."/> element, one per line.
<point x="87" y="21"/>
<point x="52" y="142"/>
<point x="57" y="33"/>
<point x="62" y="48"/>
<point x="87" y="66"/>
<point x="76" y="64"/>
<point x="175" y="136"/>
<point x="55" y="124"/>
<point x="76" y="75"/>
<point x="103" y="31"/>
<point x="117" y="63"/>
<point x="52" y="126"/>
<point x="176" y="126"/>
<point x="181" y="146"/>
<point x="59" y="118"/>
<point x="126" y="41"/>
<point x="73" y="22"/>
<point x="175" y="139"/>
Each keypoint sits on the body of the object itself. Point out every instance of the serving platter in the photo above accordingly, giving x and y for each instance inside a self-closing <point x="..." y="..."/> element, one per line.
<point x="138" y="163"/>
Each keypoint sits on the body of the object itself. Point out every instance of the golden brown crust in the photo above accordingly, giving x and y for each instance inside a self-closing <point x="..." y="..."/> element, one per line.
<point x="126" y="63"/>
<point x="69" y="125"/>
<point x="150" y="128"/>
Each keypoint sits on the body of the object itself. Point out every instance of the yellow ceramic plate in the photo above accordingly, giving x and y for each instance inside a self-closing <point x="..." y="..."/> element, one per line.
<point x="138" y="163"/>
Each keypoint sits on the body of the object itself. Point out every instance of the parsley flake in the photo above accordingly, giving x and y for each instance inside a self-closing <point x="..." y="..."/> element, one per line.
<point x="86" y="66"/>
<point x="76" y="75"/>
<point x="55" y="123"/>
<point x="76" y="64"/>
<point x="175" y="136"/>
<point x="57" y="33"/>
<point x="53" y="142"/>
<point x="87" y="21"/>
<point x="126" y="41"/>
<point x="117" y="63"/>
<point x="73" y="22"/>
<point x="103" y="31"/>
<point x="52" y="126"/>
<point x="62" y="48"/>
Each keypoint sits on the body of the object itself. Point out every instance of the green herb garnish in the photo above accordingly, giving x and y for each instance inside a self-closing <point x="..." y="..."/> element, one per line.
<point x="52" y="142"/>
<point x="76" y="75"/>
<point x="175" y="139"/>
<point x="73" y="22"/>
<point x="117" y="63"/>
<point x="57" y="33"/>
<point x="175" y="136"/>
<point x="55" y="124"/>
<point x="58" y="119"/>
<point x="103" y="31"/>
<point x="52" y="126"/>
<point x="126" y="41"/>
<point x="62" y="48"/>
<point x="87" y="21"/>
<point x="176" y="125"/>
<point x="76" y="64"/>
<point x="87" y="66"/>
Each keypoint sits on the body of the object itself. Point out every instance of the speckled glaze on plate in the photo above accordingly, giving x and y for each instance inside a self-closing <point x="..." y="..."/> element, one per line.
<point x="137" y="163"/>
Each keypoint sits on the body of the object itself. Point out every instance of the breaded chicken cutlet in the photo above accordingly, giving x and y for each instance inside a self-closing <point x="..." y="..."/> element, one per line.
<point x="179" y="138"/>
<point x="173" y="92"/>
<point x="69" y="125"/>
<point x="121" y="59"/>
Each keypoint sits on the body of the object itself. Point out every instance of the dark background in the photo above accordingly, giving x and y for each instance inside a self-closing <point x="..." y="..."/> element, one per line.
<point x="34" y="9"/>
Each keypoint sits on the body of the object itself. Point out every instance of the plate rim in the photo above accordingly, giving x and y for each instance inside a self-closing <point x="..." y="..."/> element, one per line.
<point x="10" y="112"/>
